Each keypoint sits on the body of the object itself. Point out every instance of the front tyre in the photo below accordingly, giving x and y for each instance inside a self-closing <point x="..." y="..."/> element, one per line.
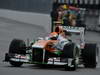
<point x="17" y="47"/>
<point x="73" y="68"/>
<point x="71" y="51"/>
<point x="16" y="64"/>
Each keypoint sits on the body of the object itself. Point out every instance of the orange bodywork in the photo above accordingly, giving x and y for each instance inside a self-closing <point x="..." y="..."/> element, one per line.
<point x="47" y="44"/>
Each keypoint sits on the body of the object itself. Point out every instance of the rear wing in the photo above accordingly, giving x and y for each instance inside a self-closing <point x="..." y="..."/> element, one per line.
<point x="73" y="29"/>
<point x="79" y="30"/>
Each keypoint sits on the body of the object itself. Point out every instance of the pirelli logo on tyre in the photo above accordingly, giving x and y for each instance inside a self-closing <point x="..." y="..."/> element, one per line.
<point x="90" y="2"/>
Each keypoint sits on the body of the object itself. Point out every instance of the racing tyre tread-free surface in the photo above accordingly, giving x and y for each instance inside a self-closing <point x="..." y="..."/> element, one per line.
<point x="71" y="51"/>
<point x="17" y="47"/>
<point x="16" y="64"/>
<point x="90" y="55"/>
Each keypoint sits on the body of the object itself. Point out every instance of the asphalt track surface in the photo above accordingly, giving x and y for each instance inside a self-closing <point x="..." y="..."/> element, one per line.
<point x="10" y="29"/>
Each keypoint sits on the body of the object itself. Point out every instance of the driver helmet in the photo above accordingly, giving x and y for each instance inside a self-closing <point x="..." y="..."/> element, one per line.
<point x="53" y="35"/>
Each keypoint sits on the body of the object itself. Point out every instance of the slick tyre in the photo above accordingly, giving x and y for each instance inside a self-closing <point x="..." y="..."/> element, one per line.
<point x="90" y="55"/>
<point x="16" y="64"/>
<point x="70" y="51"/>
<point x="17" y="47"/>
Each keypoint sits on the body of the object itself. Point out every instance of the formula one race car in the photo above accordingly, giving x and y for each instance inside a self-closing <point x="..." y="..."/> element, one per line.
<point x="73" y="52"/>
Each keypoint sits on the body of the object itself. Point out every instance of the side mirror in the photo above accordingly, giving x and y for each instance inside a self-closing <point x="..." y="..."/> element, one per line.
<point x="39" y="38"/>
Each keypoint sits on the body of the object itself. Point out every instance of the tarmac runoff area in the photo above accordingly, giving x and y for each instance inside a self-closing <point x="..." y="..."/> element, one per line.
<point x="27" y="17"/>
<point x="13" y="28"/>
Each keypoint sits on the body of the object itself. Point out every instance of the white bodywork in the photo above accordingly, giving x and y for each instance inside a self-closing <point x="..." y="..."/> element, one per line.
<point x="77" y="34"/>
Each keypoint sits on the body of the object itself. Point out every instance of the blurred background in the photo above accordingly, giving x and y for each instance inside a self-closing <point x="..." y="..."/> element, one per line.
<point x="92" y="18"/>
<point x="43" y="6"/>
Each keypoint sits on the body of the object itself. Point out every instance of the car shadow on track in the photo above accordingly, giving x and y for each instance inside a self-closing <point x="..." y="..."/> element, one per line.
<point x="48" y="67"/>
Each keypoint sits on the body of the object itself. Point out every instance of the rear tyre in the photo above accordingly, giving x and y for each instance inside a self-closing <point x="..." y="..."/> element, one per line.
<point x="90" y="55"/>
<point x="17" y="47"/>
